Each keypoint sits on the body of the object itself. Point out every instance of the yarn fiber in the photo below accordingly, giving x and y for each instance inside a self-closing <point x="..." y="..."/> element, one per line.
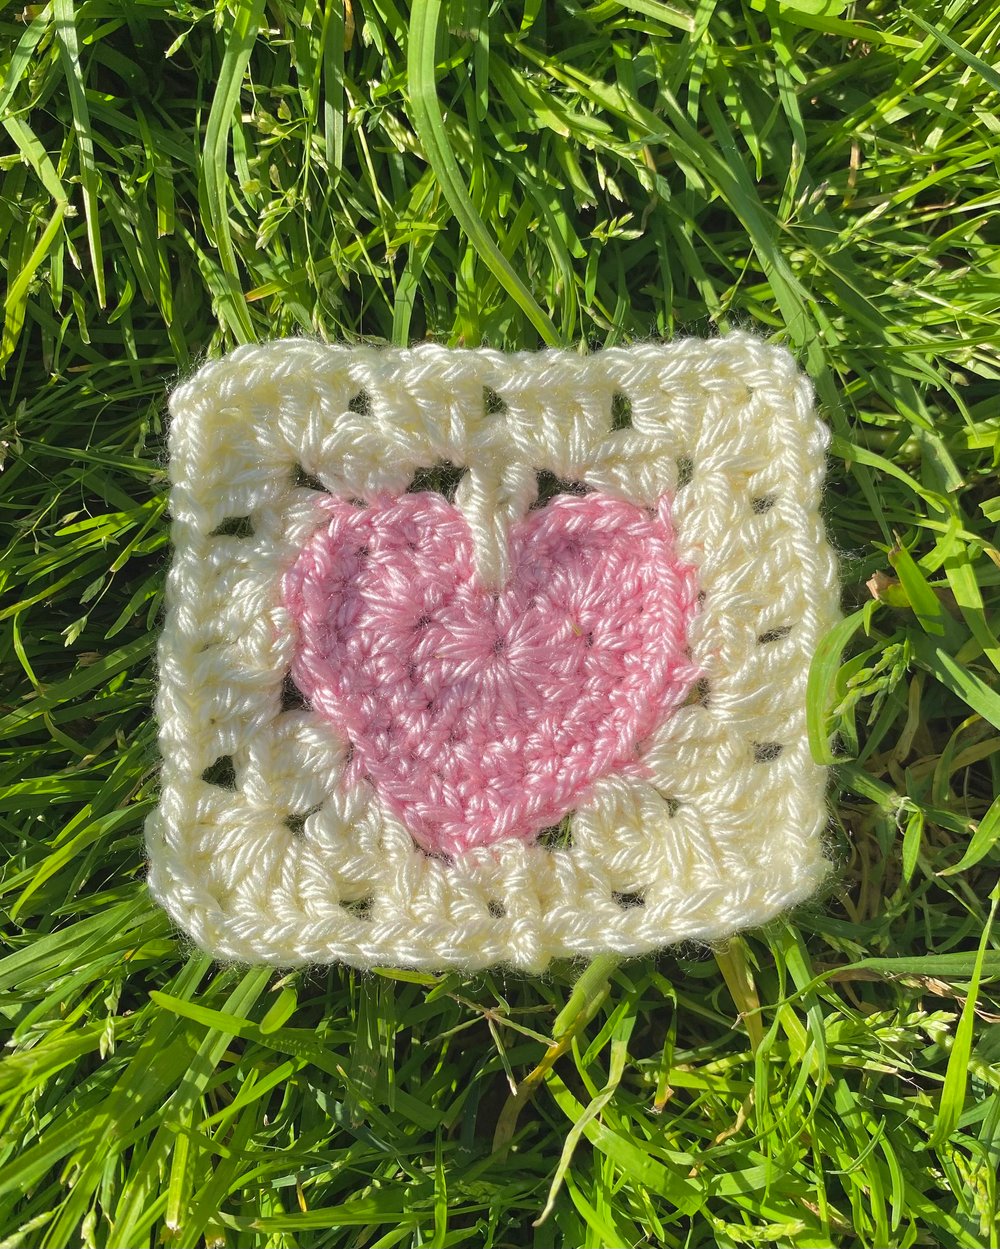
<point x="482" y="715"/>
<point x="311" y="809"/>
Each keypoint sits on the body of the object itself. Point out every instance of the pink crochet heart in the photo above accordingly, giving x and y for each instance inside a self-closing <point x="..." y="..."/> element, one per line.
<point x="476" y="715"/>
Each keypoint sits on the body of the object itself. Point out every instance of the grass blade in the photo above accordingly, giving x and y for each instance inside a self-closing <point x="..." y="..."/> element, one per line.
<point x="64" y="16"/>
<point x="822" y="684"/>
<point x="981" y="843"/>
<point x="214" y="184"/>
<point x="957" y="1075"/>
<point x="425" y="17"/>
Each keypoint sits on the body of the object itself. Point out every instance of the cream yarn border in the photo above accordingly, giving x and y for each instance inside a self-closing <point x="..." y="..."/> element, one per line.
<point x="288" y="868"/>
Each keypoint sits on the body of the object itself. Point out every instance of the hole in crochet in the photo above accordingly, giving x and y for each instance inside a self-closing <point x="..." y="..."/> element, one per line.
<point x="296" y="822"/>
<point x="685" y="471"/>
<point x="628" y="901"/>
<point x="699" y="695"/>
<point x="308" y="481"/>
<point x="496" y="908"/>
<point x="672" y="804"/>
<point x="441" y="478"/>
<point x="549" y="485"/>
<point x="221" y="773"/>
<point x="439" y="855"/>
<point x="493" y="404"/>
<point x="292" y="698"/>
<point x="234" y="527"/>
<point x="557" y="836"/>
<point x="773" y="635"/>
<point x="762" y="503"/>
<point x="621" y="411"/>
<point x="766" y="752"/>
<point x="361" y="403"/>
<point x="360" y="908"/>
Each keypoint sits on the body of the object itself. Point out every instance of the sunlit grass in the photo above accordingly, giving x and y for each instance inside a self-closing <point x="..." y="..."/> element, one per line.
<point x="176" y="179"/>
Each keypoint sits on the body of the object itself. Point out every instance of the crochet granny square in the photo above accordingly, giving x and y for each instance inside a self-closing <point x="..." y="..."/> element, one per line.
<point x="557" y="710"/>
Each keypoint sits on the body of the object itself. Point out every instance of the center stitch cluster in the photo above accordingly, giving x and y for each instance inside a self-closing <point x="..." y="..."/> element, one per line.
<point x="481" y="715"/>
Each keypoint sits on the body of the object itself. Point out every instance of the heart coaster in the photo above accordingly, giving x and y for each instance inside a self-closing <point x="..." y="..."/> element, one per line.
<point x="401" y="730"/>
<point x="481" y="715"/>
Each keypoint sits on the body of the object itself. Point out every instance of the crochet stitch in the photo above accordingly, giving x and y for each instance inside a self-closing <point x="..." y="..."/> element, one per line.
<point x="401" y="730"/>
<point x="477" y="715"/>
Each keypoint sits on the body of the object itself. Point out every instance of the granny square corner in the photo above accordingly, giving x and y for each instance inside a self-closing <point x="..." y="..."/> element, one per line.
<point x="475" y="658"/>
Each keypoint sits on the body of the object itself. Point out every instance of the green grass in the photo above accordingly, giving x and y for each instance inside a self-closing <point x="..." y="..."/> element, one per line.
<point x="176" y="179"/>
